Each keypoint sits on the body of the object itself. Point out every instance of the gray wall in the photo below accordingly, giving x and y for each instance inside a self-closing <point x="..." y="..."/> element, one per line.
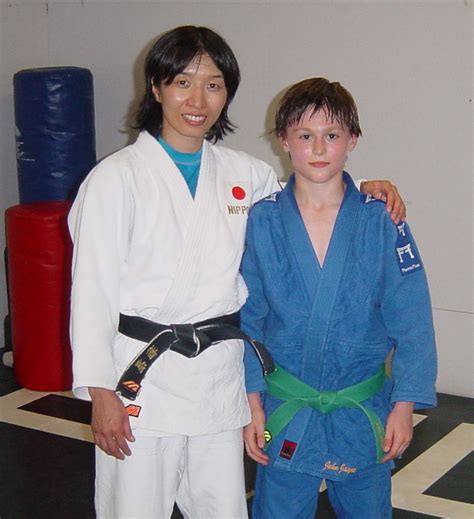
<point x="408" y="64"/>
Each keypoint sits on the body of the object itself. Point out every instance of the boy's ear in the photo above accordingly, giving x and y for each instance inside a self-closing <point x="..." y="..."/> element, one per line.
<point x="283" y="142"/>
<point x="353" y="142"/>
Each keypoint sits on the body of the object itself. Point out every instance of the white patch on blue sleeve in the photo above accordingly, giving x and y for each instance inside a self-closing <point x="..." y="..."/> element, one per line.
<point x="367" y="199"/>
<point x="272" y="197"/>
<point x="407" y="255"/>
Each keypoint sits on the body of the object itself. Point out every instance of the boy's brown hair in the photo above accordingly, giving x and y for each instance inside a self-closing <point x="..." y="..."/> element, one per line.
<point x="316" y="94"/>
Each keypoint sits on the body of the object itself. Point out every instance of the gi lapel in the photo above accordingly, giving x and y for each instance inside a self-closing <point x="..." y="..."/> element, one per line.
<point x="331" y="274"/>
<point x="183" y="290"/>
<point x="165" y="170"/>
<point x="321" y="284"/>
<point x="299" y="241"/>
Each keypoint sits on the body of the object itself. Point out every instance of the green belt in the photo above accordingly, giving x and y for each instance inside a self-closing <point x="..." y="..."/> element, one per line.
<point x="283" y="385"/>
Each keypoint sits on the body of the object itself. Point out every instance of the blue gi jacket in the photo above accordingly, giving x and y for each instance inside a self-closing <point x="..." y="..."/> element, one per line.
<point x="333" y="326"/>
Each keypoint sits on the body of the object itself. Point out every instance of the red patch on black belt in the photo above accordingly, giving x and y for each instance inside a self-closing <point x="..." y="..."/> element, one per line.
<point x="288" y="449"/>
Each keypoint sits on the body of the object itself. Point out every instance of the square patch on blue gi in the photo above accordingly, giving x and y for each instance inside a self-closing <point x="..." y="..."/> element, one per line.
<point x="288" y="449"/>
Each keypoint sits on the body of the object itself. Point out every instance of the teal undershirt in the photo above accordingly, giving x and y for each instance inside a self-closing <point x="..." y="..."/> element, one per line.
<point x="187" y="163"/>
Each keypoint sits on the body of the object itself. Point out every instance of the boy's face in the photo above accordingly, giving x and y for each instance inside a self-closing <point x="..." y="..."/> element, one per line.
<point x="318" y="147"/>
<point x="191" y="103"/>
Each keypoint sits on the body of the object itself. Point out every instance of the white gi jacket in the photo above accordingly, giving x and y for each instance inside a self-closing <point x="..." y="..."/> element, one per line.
<point x="143" y="246"/>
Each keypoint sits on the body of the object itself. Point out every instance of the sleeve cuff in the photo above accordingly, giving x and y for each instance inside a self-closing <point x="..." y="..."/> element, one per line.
<point x="420" y="401"/>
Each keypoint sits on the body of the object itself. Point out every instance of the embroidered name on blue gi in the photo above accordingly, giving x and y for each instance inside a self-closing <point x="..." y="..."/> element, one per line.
<point x="288" y="449"/>
<point x="407" y="256"/>
<point x="329" y="465"/>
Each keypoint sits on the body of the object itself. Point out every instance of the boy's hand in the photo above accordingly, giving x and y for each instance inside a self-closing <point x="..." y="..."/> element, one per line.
<point x="253" y="433"/>
<point x="399" y="431"/>
<point x="386" y="191"/>
<point x="110" y="423"/>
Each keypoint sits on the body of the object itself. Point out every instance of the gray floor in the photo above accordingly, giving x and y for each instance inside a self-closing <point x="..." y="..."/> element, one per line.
<point x="47" y="464"/>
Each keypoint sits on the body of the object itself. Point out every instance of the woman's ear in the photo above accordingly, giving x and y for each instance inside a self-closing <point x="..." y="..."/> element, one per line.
<point x="156" y="92"/>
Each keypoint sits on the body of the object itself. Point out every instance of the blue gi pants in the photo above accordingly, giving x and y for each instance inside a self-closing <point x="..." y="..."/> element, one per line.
<point x="280" y="494"/>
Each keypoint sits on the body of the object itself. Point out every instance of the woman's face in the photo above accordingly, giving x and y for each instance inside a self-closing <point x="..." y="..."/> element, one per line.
<point x="191" y="104"/>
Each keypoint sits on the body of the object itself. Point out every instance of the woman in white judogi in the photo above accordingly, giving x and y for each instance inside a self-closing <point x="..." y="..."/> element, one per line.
<point x="158" y="231"/>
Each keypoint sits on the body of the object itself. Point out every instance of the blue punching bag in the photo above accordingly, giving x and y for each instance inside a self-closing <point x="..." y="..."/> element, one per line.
<point x="55" y="133"/>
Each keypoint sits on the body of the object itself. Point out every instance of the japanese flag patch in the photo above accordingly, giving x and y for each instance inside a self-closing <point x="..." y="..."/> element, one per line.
<point x="407" y="255"/>
<point x="237" y="198"/>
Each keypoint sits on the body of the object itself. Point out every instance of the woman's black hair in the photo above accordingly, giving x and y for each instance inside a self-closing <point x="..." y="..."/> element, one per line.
<point x="169" y="56"/>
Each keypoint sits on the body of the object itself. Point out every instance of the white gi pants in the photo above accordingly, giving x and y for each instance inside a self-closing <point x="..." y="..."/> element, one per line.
<point x="203" y="474"/>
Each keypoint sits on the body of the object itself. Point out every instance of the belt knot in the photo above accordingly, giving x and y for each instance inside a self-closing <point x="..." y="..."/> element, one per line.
<point x="188" y="340"/>
<point x="324" y="401"/>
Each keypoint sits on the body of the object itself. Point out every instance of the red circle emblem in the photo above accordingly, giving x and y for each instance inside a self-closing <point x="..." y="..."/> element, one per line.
<point x="238" y="193"/>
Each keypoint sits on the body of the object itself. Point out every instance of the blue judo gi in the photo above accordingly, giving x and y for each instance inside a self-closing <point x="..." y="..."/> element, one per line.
<point x="334" y="326"/>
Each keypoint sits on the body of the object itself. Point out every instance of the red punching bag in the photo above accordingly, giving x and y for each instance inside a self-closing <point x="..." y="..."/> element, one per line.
<point x="39" y="253"/>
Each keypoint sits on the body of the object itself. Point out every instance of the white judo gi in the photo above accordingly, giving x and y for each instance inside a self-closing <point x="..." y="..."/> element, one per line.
<point x="143" y="246"/>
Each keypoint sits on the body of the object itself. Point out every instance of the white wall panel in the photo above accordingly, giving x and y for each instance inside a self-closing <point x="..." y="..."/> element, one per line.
<point x="454" y="334"/>
<point x="408" y="64"/>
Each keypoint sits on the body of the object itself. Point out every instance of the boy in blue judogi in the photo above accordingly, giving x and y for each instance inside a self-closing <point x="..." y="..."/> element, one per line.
<point x="334" y="287"/>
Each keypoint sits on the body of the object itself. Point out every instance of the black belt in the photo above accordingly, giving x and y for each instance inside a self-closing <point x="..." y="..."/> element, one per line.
<point x="188" y="339"/>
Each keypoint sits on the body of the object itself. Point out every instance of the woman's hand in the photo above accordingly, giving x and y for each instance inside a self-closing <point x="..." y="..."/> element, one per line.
<point x="386" y="191"/>
<point x="110" y="423"/>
